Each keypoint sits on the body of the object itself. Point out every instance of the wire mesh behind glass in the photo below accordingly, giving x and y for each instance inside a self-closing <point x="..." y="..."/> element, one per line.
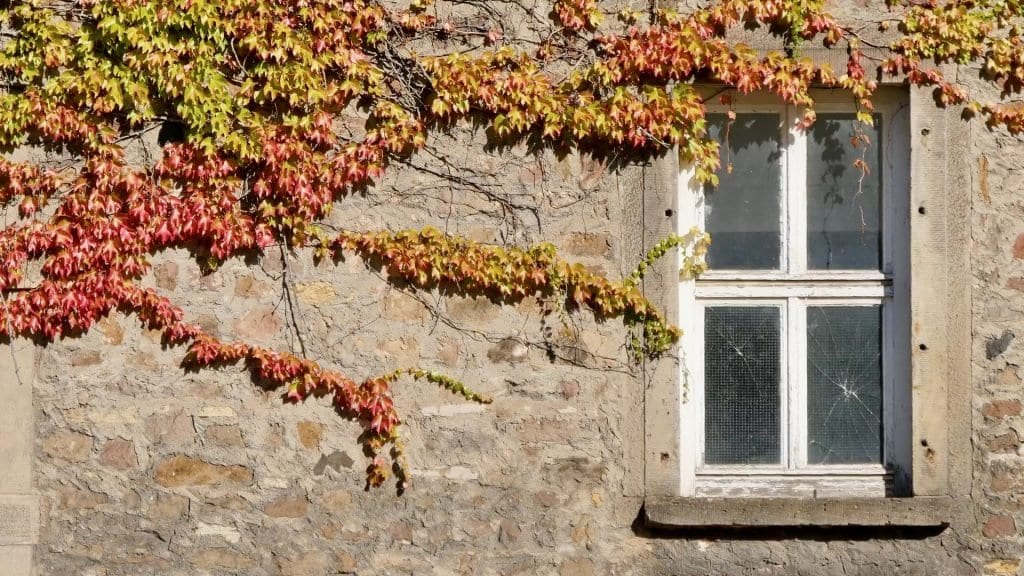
<point x="741" y="384"/>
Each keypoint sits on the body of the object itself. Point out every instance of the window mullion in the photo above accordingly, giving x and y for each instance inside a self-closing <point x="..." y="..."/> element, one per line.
<point x="785" y="397"/>
<point x="797" y="381"/>
<point x="795" y="193"/>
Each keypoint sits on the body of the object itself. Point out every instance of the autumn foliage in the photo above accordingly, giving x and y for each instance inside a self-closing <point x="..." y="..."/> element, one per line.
<point x="253" y="91"/>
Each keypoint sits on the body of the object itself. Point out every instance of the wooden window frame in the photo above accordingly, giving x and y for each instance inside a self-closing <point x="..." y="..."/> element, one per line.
<point x="793" y="288"/>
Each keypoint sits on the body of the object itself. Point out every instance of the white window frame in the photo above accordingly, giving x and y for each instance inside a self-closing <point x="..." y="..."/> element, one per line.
<point x="788" y="288"/>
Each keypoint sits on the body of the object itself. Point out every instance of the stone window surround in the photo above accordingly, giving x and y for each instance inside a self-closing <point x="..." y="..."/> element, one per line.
<point x="940" y="353"/>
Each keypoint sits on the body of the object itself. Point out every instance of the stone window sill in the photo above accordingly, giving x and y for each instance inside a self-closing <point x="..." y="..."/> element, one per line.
<point x="924" y="512"/>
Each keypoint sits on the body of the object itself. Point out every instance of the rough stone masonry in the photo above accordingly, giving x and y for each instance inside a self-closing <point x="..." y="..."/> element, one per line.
<point x="118" y="462"/>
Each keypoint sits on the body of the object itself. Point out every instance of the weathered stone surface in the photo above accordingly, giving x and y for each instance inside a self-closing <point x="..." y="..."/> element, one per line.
<point x="81" y="499"/>
<point x="218" y="531"/>
<point x="171" y="426"/>
<point x="336" y="501"/>
<point x="250" y="287"/>
<point x="310" y="434"/>
<point x="186" y="471"/>
<point x="1008" y="442"/>
<point x="999" y="527"/>
<point x="111" y="329"/>
<point x="70" y="446"/>
<point x="226" y="435"/>
<point x="999" y="409"/>
<point x="316" y="293"/>
<point x="345" y="563"/>
<point x="401" y="532"/>
<point x="570" y="389"/>
<point x="548" y="480"/>
<point x="258" y="324"/>
<point x="220" y="559"/>
<point x="1002" y="566"/>
<point x="119" y="454"/>
<point x="473" y="309"/>
<point x="1018" y="247"/>
<point x="288" y="507"/>
<point x="508" y="532"/>
<point x="313" y="563"/>
<point x="167" y="507"/>
<point x="166" y="275"/>
<point x="508" y="350"/>
<point x="397" y="305"/>
<point x="580" y="567"/>
<point x="86" y="358"/>
<point x="587" y="244"/>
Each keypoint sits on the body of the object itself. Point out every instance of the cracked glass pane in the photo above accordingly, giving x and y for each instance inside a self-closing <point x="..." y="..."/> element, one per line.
<point x="741" y="385"/>
<point x="742" y="212"/>
<point x="844" y="208"/>
<point x="844" y="385"/>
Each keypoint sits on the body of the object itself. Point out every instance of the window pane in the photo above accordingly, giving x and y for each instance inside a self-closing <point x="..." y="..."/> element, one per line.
<point x="844" y="211"/>
<point x="844" y="385"/>
<point x="742" y="213"/>
<point x="741" y="385"/>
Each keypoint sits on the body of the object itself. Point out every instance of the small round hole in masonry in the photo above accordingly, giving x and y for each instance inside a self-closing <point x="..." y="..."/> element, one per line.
<point x="920" y="210"/>
<point x="669" y="212"/>
<point x="922" y="346"/>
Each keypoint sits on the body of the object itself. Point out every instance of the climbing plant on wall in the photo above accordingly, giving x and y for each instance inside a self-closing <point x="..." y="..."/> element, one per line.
<point x="247" y="96"/>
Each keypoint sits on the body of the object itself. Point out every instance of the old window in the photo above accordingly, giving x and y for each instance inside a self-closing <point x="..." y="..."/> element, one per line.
<point x="795" y="365"/>
<point x="814" y="273"/>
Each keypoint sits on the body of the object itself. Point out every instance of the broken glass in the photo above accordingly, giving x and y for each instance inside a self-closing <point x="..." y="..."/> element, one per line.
<point x="844" y="384"/>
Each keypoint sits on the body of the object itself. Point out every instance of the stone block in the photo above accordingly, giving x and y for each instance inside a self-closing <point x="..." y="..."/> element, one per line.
<point x="119" y="454"/>
<point x="587" y="244"/>
<point x="577" y="567"/>
<point x="170" y="426"/>
<point x="1002" y="566"/>
<point x="224" y="435"/>
<point x="220" y="559"/>
<point x="185" y="471"/>
<point x="167" y="508"/>
<point x="71" y="498"/>
<point x="258" y="324"/>
<point x="397" y="305"/>
<point x="1018" y="247"/>
<point x="166" y="275"/>
<point x="337" y="501"/>
<point x="287" y="507"/>
<point x="111" y="329"/>
<point x="999" y="527"/>
<point x="316" y="293"/>
<point x="309" y="563"/>
<point x="250" y="287"/>
<point x="84" y="358"/>
<point x="310" y="434"/>
<point x="70" y="446"/>
<point x="999" y="409"/>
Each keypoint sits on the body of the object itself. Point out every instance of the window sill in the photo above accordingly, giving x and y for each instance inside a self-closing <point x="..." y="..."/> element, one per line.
<point x="932" y="512"/>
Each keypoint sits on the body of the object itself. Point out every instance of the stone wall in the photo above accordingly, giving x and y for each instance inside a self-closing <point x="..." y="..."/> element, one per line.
<point x="143" y="468"/>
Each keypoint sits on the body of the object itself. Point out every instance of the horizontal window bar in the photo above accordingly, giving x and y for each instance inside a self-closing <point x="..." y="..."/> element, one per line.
<point x="757" y="290"/>
<point x="820" y="276"/>
<point x="832" y="470"/>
